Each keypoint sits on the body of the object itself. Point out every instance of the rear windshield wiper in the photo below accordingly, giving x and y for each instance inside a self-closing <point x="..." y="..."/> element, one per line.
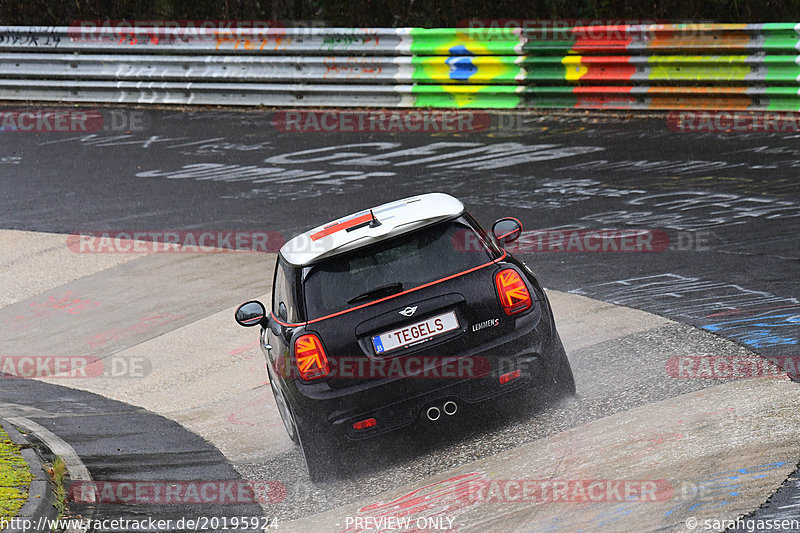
<point x="377" y="292"/>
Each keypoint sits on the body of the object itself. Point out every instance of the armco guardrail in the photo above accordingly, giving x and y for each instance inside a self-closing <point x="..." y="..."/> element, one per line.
<point x="719" y="66"/>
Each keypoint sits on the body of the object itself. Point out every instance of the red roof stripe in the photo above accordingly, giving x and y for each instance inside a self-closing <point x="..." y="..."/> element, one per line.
<point x="340" y="226"/>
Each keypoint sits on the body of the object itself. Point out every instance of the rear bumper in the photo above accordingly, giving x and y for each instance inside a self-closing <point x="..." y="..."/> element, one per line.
<point x="398" y="403"/>
<point x="397" y="415"/>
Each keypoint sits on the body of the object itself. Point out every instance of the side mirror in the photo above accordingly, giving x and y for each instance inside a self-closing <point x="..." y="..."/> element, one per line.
<point x="507" y="230"/>
<point x="250" y="314"/>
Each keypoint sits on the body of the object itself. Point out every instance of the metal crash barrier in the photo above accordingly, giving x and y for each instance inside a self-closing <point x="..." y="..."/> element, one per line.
<point x="657" y="67"/>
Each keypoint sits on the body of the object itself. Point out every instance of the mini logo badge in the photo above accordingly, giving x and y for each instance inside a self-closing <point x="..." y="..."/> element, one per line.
<point x="408" y="311"/>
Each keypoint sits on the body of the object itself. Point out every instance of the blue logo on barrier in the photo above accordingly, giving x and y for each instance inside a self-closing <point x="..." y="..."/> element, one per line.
<point x="461" y="66"/>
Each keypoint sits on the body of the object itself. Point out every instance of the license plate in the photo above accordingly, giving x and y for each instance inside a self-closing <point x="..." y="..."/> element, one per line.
<point x="415" y="333"/>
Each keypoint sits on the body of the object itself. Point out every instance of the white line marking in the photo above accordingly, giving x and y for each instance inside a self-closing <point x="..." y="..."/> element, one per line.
<point x="789" y="506"/>
<point x="77" y="470"/>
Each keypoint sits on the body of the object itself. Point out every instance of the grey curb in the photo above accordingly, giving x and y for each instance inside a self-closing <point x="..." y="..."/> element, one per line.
<point x="39" y="506"/>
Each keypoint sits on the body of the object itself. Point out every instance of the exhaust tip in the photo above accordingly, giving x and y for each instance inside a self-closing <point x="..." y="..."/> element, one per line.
<point x="433" y="414"/>
<point x="450" y="408"/>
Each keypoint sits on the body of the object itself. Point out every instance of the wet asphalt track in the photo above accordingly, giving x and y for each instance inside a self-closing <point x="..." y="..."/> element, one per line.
<point x="730" y="203"/>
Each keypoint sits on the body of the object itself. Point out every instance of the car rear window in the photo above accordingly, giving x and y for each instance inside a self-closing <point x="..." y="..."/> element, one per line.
<point x="412" y="259"/>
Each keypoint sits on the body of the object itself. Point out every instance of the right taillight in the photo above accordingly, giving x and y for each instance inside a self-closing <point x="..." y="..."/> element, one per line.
<point x="365" y="424"/>
<point x="510" y="376"/>
<point x="513" y="293"/>
<point x="312" y="363"/>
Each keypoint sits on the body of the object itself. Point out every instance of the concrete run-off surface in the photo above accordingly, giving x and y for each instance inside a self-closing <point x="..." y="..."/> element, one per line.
<point x="41" y="261"/>
<point x="705" y="453"/>
<point x="204" y="372"/>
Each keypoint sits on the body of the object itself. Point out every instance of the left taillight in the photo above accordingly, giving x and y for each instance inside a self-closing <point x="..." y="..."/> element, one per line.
<point x="312" y="363"/>
<point x="513" y="292"/>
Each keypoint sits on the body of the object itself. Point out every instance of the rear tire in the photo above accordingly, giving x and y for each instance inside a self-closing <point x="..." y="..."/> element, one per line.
<point x="323" y="452"/>
<point x="284" y="410"/>
<point x="559" y="372"/>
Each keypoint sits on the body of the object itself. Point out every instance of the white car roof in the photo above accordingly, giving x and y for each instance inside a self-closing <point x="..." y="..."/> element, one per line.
<point x="395" y="218"/>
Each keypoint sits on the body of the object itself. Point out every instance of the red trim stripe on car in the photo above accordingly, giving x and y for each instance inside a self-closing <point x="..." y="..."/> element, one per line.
<point x="340" y="226"/>
<point x="504" y="235"/>
<point x="418" y="287"/>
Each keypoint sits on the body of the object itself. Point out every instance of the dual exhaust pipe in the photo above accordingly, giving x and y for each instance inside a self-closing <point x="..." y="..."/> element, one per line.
<point x="434" y="413"/>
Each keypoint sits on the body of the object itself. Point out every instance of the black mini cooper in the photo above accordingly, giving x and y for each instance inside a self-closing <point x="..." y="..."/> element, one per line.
<point x="405" y="312"/>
